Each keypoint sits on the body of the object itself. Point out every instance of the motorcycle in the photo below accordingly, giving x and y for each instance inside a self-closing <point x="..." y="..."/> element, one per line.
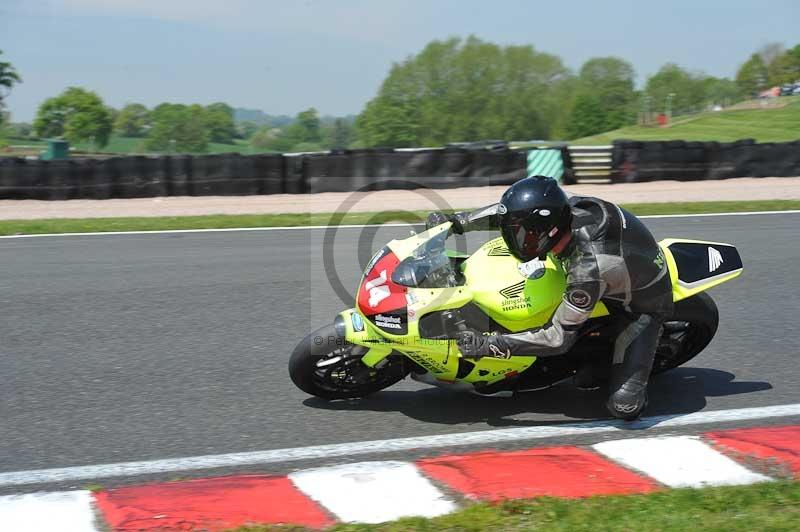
<point x="415" y="296"/>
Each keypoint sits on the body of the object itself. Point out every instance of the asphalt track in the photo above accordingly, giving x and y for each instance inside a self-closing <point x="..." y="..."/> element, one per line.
<point x="116" y="348"/>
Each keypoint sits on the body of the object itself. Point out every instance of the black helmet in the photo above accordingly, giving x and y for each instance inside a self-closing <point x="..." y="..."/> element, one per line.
<point x="534" y="216"/>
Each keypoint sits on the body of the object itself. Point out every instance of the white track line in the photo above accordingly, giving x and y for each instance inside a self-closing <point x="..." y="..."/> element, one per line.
<point x="71" y="510"/>
<point x="353" y="226"/>
<point x="679" y="462"/>
<point x="486" y="437"/>
<point x="373" y="492"/>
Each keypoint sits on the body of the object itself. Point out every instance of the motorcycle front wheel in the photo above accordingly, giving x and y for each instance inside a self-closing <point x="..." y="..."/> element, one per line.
<point x="326" y="366"/>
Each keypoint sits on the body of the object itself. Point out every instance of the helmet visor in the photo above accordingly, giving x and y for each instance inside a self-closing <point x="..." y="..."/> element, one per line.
<point x="528" y="241"/>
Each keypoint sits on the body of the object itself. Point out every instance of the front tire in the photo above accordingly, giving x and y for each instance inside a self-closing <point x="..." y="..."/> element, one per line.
<point x="690" y="329"/>
<point x="324" y="365"/>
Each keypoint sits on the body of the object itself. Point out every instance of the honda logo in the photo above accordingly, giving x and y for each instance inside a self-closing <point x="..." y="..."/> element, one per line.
<point x="714" y="260"/>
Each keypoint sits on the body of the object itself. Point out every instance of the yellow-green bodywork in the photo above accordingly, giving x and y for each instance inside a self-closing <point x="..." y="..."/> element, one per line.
<point x="494" y="283"/>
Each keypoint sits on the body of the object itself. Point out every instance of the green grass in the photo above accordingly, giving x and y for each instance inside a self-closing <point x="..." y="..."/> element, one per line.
<point x="764" y="125"/>
<point x="99" y="225"/>
<point x="773" y="506"/>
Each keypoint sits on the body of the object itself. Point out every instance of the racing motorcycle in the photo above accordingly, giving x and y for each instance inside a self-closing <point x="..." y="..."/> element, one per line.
<point x="415" y="296"/>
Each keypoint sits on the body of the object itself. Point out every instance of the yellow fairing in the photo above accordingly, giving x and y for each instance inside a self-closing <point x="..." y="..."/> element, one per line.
<point x="509" y="297"/>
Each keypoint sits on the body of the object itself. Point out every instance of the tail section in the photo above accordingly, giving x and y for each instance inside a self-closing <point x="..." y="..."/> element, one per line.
<point x="695" y="266"/>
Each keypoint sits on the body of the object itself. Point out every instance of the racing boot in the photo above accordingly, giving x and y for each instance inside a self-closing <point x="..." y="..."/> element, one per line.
<point x="634" y="352"/>
<point x="629" y="401"/>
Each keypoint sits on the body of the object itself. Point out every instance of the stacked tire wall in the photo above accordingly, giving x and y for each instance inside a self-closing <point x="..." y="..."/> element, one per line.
<point x="233" y="174"/>
<point x="634" y="161"/>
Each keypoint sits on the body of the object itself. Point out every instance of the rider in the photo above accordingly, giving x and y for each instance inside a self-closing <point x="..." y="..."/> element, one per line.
<point x="608" y="255"/>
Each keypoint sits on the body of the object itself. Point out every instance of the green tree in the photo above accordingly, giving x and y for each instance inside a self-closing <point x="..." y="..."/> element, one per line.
<point x="752" y="76"/>
<point x="785" y="68"/>
<point x="305" y="131"/>
<point x="587" y="117"/>
<point x="605" y="97"/>
<point x="722" y="91"/>
<point x="264" y="139"/>
<point x="77" y="115"/>
<point x="463" y="90"/>
<point x="220" y="124"/>
<point x="341" y="134"/>
<point x="688" y="90"/>
<point x="132" y="121"/>
<point x="246" y="129"/>
<point x="8" y="78"/>
<point x="178" y="128"/>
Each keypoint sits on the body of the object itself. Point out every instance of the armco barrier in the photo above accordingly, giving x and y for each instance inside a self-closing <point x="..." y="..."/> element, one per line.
<point x="634" y="161"/>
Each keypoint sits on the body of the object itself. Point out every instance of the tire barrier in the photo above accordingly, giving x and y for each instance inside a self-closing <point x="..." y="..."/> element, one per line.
<point x="634" y="161"/>
<point x="457" y="165"/>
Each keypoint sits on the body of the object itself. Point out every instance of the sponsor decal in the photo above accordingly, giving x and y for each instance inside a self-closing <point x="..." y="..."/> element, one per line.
<point x="358" y="321"/>
<point x="498" y="251"/>
<point x="483" y="372"/>
<point x="394" y="323"/>
<point x="579" y="298"/>
<point x="501" y="209"/>
<point x="513" y="291"/>
<point x="514" y="298"/>
<point x="425" y="362"/>
<point x="659" y="260"/>
<point x="499" y="353"/>
<point x="714" y="260"/>
<point x="544" y="212"/>
<point x="533" y="269"/>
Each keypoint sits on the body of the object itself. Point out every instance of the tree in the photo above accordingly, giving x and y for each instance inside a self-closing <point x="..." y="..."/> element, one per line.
<point x="132" y="121"/>
<point x="341" y="134"/>
<point x="264" y="138"/>
<point x="587" y="117"/>
<point x="77" y="115"/>
<point x="721" y="91"/>
<point x="8" y="78"/>
<point x="178" y="128"/>
<point x="246" y="129"/>
<point x="785" y="68"/>
<point x="463" y="90"/>
<point x="306" y="129"/>
<point x="687" y="88"/>
<point x="752" y="76"/>
<point x="220" y="124"/>
<point x="605" y="98"/>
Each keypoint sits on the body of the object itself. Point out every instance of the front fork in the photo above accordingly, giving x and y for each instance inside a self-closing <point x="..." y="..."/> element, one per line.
<point x="351" y="326"/>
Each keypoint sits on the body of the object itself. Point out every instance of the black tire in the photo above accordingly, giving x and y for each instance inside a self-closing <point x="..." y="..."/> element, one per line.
<point x="699" y="318"/>
<point x="346" y="379"/>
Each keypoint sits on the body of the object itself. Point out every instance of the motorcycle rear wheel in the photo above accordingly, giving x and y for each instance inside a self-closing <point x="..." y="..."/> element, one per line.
<point x="690" y="329"/>
<point x="324" y="365"/>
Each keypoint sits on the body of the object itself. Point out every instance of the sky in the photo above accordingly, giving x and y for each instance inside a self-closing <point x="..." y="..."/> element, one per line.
<point x="285" y="56"/>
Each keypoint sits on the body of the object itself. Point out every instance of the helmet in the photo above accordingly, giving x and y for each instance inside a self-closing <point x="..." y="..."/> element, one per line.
<point x="534" y="216"/>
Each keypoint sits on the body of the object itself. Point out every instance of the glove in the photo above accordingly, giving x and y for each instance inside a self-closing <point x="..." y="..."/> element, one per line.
<point x="435" y="218"/>
<point x="475" y="345"/>
<point x="459" y="221"/>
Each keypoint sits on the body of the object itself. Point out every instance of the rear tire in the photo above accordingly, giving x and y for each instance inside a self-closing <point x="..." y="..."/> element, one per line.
<point x="687" y="332"/>
<point x="345" y="378"/>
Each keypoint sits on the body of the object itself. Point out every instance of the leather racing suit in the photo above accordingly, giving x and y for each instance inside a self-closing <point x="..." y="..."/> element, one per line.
<point x="612" y="257"/>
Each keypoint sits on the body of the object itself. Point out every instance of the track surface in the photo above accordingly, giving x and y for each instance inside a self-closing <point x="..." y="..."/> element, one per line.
<point x="137" y="347"/>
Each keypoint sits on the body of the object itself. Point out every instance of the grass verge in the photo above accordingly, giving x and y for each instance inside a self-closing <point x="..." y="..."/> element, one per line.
<point x="101" y="225"/>
<point x="769" y="506"/>
<point x="765" y="125"/>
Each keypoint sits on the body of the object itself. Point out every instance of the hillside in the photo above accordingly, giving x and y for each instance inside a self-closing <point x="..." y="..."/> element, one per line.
<point x="779" y="124"/>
